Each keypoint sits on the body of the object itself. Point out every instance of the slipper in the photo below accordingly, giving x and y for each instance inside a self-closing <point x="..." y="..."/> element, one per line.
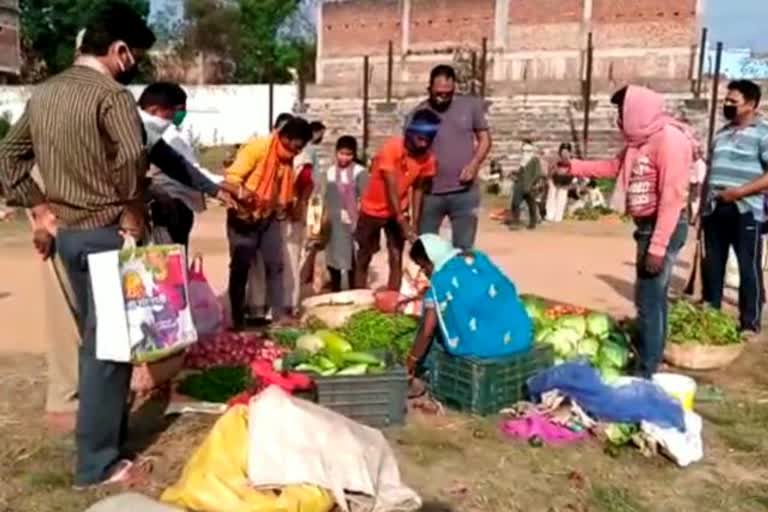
<point x="125" y="473"/>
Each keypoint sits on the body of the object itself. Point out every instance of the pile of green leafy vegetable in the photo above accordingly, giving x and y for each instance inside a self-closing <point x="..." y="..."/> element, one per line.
<point x="691" y="324"/>
<point x="373" y="330"/>
<point x="327" y="353"/>
<point x="594" y="337"/>
<point x="287" y="336"/>
<point x="216" y="385"/>
<point x="591" y="213"/>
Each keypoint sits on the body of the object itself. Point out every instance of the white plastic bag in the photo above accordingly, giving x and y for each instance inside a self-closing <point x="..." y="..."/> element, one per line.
<point x="207" y="311"/>
<point x="684" y="448"/>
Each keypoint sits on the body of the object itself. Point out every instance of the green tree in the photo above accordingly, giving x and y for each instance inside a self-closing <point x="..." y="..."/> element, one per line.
<point x="51" y="26"/>
<point x="264" y="54"/>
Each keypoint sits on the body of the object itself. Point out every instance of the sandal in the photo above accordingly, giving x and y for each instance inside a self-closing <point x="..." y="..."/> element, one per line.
<point x="125" y="473"/>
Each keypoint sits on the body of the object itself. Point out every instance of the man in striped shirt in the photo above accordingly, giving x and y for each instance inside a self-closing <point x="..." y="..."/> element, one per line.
<point x="734" y="212"/>
<point x="82" y="128"/>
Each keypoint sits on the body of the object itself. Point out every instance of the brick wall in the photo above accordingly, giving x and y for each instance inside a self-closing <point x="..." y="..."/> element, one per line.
<point x="538" y="39"/>
<point x="439" y="24"/>
<point x="359" y="27"/>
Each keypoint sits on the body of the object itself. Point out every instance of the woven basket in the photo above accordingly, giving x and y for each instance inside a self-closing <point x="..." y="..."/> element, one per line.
<point x="149" y="376"/>
<point x="334" y="309"/>
<point x="702" y="357"/>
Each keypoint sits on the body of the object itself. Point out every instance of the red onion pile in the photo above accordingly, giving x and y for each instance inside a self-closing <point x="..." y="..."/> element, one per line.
<point x="231" y="349"/>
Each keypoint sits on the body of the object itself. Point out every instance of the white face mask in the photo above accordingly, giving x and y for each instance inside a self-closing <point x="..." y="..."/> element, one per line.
<point x="154" y="126"/>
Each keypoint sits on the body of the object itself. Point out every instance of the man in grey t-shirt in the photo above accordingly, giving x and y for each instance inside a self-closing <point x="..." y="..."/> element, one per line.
<point x="461" y="146"/>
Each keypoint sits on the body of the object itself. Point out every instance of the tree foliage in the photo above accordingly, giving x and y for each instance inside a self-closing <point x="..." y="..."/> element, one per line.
<point x="50" y="27"/>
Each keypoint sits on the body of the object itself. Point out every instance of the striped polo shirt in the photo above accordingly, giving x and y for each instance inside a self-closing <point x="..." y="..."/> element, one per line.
<point x="741" y="156"/>
<point x="82" y="128"/>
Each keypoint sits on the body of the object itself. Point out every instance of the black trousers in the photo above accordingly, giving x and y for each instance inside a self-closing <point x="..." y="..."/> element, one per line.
<point x="174" y="216"/>
<point x="518" y="197"/>
<point x="724" y="228"/>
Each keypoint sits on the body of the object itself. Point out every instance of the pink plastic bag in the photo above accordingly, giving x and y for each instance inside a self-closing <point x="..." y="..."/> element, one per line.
<point x="207" y="311"/>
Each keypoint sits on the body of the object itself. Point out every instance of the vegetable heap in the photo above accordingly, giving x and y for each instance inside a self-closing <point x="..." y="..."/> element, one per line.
<point x="216" y="385"/>
<point x="373" y="330"/>
<point x="690" y="324"/>
<point x="230" y="349"/>
<point x="326" y="353"/>
<point x="591" y="213"/>
<point x="574" y="333"/>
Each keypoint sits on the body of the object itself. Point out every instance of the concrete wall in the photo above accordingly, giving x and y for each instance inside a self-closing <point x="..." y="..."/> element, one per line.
<point x="527" y="39"/>
<point x="218" y="114"/>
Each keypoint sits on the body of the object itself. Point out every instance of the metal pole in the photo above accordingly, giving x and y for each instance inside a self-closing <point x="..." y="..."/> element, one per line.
<point x="483" y="66"/>
<point x="366" y="85"/>
<point x="472" y="85"/>
<point x="715" y="100"/>
<point x="271" y="90"/>
<point x="390" y="68"/>
<point x="587" y="94"/>
<point x="702" y="57"/>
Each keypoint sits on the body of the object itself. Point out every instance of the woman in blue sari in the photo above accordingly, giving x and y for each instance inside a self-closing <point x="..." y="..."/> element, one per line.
<point x="470" y="303"/>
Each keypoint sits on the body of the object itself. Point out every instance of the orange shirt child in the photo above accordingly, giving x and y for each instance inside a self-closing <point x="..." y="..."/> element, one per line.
<point x="393" y="158"/>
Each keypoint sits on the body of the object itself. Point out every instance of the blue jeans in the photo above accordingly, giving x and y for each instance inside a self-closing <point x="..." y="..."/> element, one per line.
<point x="460" y="208"/>
<point x="651" y="295"/>
<point x="724" y="228"/>
<point x="102" y="416"/>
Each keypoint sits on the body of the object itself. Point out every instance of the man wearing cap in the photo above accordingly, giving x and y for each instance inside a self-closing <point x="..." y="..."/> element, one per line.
<point x="403" y="168"/>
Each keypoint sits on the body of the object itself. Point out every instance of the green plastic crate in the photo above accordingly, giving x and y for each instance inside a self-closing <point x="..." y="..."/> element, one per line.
<point x="485" y="386"/>
<point x="378" y="401"/>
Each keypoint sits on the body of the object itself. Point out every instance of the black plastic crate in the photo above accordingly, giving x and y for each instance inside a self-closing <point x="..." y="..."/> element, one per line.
<point x="485" y="386"/>
<point x="375" y="400"/>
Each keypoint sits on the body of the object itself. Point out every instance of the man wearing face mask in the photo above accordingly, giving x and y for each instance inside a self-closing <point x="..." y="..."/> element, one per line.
<point x="734" y="210"/>
<point x="530" y="172"/>
<point x="460" y="147"/>
<point x="178" y="182"/>
<point x="83" y="130"/>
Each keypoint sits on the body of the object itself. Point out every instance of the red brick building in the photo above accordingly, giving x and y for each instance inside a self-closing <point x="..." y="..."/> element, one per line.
<point x="527" y="39"/>
<point x="10" y="51"/>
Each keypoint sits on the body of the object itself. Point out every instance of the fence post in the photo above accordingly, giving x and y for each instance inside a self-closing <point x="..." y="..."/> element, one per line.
<point x="702" y="57"/>
<point x="390" y="70"/>
<point x="715" y="100"/>
<point x="587" y="94"/>
<point x="472" y="83"/>
<point x="271" y="93"/>
<point x="366" y="85"/>
<point x="483" y="66"/>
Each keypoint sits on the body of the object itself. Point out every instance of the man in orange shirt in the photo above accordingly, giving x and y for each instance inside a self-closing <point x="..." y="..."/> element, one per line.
<point x="403" y="167"/>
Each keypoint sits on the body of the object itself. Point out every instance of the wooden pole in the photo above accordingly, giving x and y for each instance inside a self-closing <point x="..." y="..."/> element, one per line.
<point x="472" y="84"/>
<point x="483" y="66"/>
<point x="366" y="85"/>
<point x="390" y="70"/>
<point x="702" y="60"/>
<point x="694" y="285"/>
<point x="271" y="92"/>
<point x="587" y="94"/>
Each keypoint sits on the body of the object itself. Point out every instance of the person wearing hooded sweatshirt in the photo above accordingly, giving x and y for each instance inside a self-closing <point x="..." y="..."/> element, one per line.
<point x="652" y="175"/>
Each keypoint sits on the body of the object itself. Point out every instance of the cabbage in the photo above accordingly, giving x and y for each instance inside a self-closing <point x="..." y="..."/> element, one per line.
<point x="613" y="355"/>
<point x="542" y="334"/>
<point x="563" y="341"/>
<point x="588" y="347"/>
<point x="310" y="343"/>
<point x="599" y="325"/>
<point x="573" y="322"/>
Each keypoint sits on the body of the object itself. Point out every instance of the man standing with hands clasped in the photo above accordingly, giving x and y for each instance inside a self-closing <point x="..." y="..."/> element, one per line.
<point x="733" y="213"/>
<point x="461" y="146"/>
<point x="652" y="174"/>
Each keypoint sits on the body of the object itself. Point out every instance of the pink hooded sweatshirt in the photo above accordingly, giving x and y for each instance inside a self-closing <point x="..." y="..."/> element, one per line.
<point x="653" y="170"/>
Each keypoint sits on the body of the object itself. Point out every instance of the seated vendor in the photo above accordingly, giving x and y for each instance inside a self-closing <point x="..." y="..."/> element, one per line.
<point x="470" y="303"/>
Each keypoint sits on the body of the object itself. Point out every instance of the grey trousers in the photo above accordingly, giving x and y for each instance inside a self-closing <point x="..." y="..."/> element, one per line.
<point x="461" y="208"/>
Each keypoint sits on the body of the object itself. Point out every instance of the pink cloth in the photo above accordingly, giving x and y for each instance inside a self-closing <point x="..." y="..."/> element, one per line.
<point x="653" y="170"/>
<point x="541" y="427"/>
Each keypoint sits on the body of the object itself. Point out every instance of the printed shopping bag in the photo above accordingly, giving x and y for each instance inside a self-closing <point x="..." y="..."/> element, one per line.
<point x="207" y="311"/>
<point x="142" y="304"/>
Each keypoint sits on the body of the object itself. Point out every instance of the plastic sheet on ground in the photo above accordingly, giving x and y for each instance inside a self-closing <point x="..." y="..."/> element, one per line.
<point x="131" y="502"/>
<point x="215" y="478"/>
<point x="296" y="441"/>
<point x="638" y="401"/>
<point x="684" y="448"/>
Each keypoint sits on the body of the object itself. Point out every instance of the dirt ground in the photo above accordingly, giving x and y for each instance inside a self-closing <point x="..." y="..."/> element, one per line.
<point x="457" y="463"/>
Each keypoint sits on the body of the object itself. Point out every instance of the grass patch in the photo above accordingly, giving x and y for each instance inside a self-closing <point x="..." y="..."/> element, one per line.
<point x="47" y="479"/>
<point x="615" y="499"/>
<point x="212" y="157"/>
